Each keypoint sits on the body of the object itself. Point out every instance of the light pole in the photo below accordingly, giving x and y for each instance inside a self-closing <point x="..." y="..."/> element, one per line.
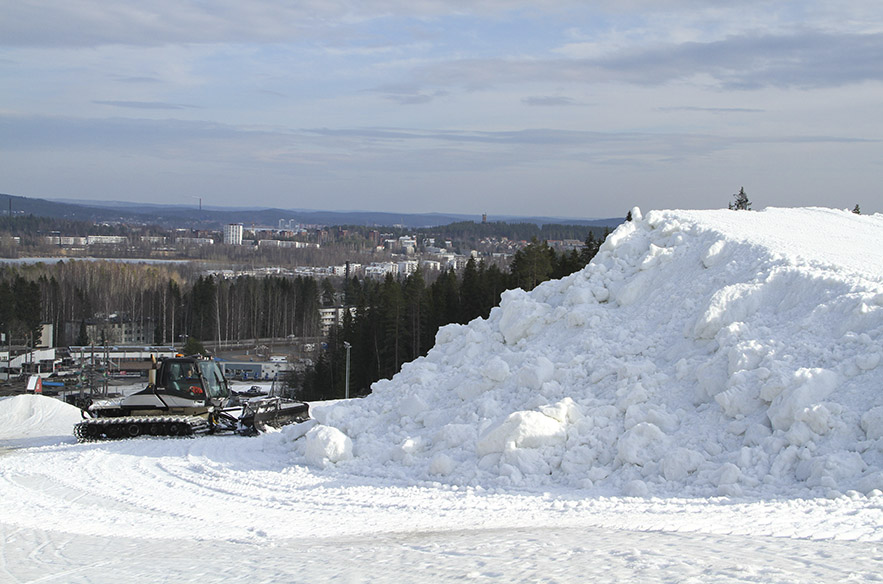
<point x="347" y="346"/>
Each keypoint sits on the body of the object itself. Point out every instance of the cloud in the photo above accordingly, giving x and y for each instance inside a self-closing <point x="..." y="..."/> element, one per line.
<point x="136" y="79"/>
<point x="114" y="134"/>
<point x="407" y="94"/>
<point x="804" y="60"/>
<point x="148" y="105"/>
<point x="548" y="100"/>
<point x="139" y="135"/>
<point x="713" y="110"/>
<point x="417" y="99"/>
<point x="88" y="23"/>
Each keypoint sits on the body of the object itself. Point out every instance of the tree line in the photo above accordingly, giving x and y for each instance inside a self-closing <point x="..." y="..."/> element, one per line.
<point x="395" y="320"/>
<point x="171" y="301"/>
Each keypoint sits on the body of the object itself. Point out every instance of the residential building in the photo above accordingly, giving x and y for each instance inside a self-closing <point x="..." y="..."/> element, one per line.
<point x="407" y="244"/>
<point x="233" y="234"/>
<point x="106" y="240"/>
<point x="407" y="268"/>
<point x="65" y="241"/>
<point x="113" y="330"/>
<point x="195" y="241"/>
<point x="329" y="317"/>
<point x="380" y="270"/>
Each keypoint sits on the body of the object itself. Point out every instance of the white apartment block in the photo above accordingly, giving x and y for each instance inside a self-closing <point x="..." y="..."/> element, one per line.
<point x="341" y="270"/>
<point x="233" y="234"/>
<point x="329" y="317"/>
<point x="106" y="240"/>
<point x="195" y="241"/>
<point x="65" y="240"/>
<point x="408" y="244"/>
<point x="408" y="267"/>
<point x="380" y="270"/>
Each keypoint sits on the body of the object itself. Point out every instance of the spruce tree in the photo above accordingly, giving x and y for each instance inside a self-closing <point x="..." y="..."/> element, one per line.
<point x="83" y="336"/>
<point x="532" y="265"/>
<point x="741" y="203"/>
<point x="470" y="292"/>
<point x="193" y="346"/>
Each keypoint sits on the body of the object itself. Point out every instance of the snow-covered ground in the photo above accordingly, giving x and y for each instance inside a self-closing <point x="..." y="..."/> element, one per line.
<point x="704" y="402"/>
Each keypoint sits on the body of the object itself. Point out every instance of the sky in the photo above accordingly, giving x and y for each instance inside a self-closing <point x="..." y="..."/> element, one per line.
<point x="571" y="109"/>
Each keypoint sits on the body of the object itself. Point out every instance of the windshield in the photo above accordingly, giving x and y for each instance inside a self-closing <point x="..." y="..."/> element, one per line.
<point x="195" y="379"/>
<point x="214" y="379"/>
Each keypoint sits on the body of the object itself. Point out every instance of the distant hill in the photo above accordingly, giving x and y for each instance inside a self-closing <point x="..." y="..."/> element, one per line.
<point x="170" y="216"/>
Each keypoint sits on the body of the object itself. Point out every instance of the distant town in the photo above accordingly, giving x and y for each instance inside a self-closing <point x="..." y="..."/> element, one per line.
<point x="270" y="300"/>
<point x="291" y="247"/>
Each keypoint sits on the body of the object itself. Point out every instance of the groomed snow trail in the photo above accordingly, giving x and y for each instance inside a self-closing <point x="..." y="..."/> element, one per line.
<point x="517" y="555"/>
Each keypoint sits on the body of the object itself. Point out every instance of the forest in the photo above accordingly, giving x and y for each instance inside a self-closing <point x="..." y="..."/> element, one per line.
<point x="395" y="319"/>
<point x="171" y="300"/>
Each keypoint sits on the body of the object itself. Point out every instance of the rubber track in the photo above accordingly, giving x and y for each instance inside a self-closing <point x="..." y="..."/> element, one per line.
<point x="99" y="429"/>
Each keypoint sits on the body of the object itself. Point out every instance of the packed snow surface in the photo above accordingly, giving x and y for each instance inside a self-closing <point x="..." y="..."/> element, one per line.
<point x="702" y="403"/>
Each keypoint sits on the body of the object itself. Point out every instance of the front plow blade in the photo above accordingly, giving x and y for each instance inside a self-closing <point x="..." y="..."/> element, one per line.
<point x="272" y="412"/>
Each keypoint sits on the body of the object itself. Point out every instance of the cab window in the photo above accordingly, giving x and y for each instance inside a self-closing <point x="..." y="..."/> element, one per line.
<point x="214" y="380"/>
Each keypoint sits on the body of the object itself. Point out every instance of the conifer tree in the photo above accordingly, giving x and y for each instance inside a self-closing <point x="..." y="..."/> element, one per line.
<point x="532" y="265"/>
<point x="83" y="337"/>
<point x="470" y="292"/>
<point x="741" y="203"/>
<point x="417" y="315"/>
<point x="192" y="346"/>
<point x="393" y="316"/>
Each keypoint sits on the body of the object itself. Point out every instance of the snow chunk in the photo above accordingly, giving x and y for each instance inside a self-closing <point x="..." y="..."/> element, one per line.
<point x="872" y="423"/>
<point x="808" y="388"/>
<point x="831" y="470"/>
<point x="442" y="464"/>
<point x="533" y="377"/>
<point x="715" y="254"/>
<point x="735" y="303"/>
<point x="495" y="370"/>
<point x="327" y="445"/>
<point x="412" y="406"/>
<point x="521" y="430"/>
<point x="566" y="411"/>
<point x="520" y="315"/>
<point x="678" y="464"/>
<point x="642" y="444"/>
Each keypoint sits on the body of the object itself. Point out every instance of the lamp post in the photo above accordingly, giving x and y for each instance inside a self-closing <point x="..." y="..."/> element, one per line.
<point x="347" y="346"/>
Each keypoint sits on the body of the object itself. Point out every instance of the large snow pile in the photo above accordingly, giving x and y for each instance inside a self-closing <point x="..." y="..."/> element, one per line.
<point x="700" y="353"/>
<point x="30" y="420"/>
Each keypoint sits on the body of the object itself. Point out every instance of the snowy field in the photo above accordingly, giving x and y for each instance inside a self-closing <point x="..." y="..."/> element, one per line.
<point x="703" y="403"/>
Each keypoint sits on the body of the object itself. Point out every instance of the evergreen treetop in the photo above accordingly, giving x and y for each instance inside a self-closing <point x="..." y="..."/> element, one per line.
<point x="741" y="203"/>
